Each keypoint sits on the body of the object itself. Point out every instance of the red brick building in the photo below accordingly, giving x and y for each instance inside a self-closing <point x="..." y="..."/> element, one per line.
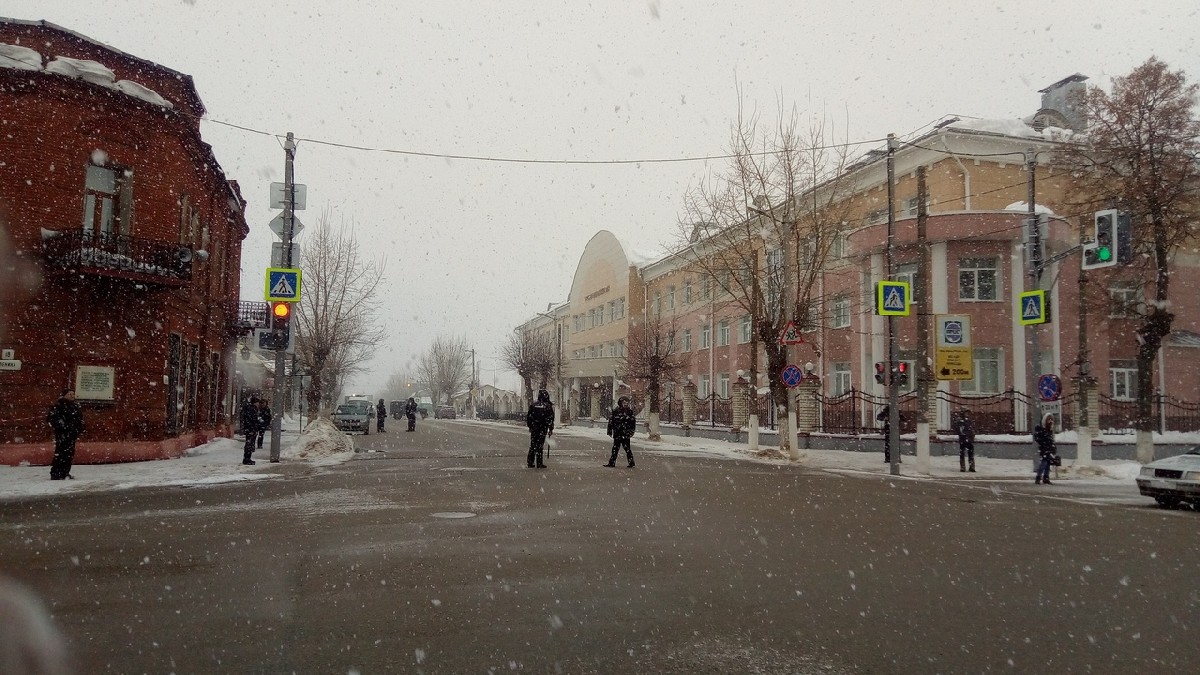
<point x="108" y="189"/>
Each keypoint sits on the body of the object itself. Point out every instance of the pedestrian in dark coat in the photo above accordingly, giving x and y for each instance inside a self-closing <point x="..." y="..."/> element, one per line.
<point x="966" y="441"/>
<point x="66" y="419"/>
<point x="410" y="411"/>
<point x="621" y="425"/>
<point x="264" y="420"/>
<point x="885" y="417"/>
<point x="380" y="415"/>
<point x="540" y="420"/>
<point x="1043" y="436"/>
<point x="250" y="419"/>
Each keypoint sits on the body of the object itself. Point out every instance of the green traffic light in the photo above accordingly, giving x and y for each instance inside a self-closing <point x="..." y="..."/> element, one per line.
<point x="1104" y="254"/>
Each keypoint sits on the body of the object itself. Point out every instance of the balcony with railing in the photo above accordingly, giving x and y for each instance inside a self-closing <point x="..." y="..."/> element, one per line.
<point x="118" y="256"/>
<point x="251" y="315"/>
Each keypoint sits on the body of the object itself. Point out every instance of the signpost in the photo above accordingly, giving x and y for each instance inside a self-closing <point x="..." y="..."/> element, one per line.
<point x="283" y="284"/>
<point x="893" y="298"/>
<point x="953" y="357"/>
<point x="1049" y="387"/>
<point x="1032" y="308"/>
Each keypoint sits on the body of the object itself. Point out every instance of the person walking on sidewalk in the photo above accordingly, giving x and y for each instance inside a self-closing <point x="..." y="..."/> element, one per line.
<point x="66" y="419"/>
<point x="966" y="441"/>
<point x="264" y="420"/>
<point x="885" y="417"/>
<point x="380" y="415"/>
<point x="621" y="425"/>
<point x="250" y="419"/>
<point x="1043" y="436"/>
<point x="540" y="420"/>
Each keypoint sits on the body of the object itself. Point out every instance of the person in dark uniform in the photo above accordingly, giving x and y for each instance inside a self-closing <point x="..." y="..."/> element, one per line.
<point x="540" y="420"/>
<point x="885" y="417"/>
<point x="621" y="425"/>
<point x="250" y="428"/>
<point x="410" y="411"/>
<point x="264" y="420"/>
<point x="66" y="419"/>
<point x="1043" y="436"/>
<point x="966" y="441"/>
<point x="380" y="415"/>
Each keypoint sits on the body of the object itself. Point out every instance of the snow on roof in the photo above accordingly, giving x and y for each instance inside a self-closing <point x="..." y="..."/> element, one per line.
<point x="19" y="58"/>
<point x="23" y="58"/>
<point x="1016" y="127"/>
<point x="1024" y="208"/>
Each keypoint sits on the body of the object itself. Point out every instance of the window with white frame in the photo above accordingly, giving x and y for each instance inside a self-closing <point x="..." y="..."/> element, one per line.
<point x="1123" y="301"/>
<point x="705" y="288"/>
<point x="704" y="390"/>
<point x="840" y="246"/>
<point x="906" y="273"/>
<point x="876" y="216"/>
<point x="612" y="310"/>
<point x="671" y="298"/>
<point x="988" y="367"/>
<point x="1122" y="379"/>
<point x="620" y="308"/>
<point x="812" y="317"/>
<point x="600" y="315"/>
<point x="723" y="385"/>
<point x="910" y="206"/>
<point x="841" y="378"/>
<point x="687" y="340"/>
<point x="578" y="323"/>
<point x="592" y="352"/>
<point x="744" y="330"/>
<point x="723" y="333"/>
<point x="841" y="311"/>
<point x="621" y="348"/>
<point x="705" y="336"/>
<point x="687" y="292"/>
<point x="107" y="202"/>
<point x="978" y="279"/>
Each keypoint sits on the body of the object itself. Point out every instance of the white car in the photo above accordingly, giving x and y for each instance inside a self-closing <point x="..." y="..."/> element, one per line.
<point x="1173" y="479"/>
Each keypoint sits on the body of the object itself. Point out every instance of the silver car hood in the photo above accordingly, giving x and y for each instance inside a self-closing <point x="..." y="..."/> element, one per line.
<point x="1185" y="462"/>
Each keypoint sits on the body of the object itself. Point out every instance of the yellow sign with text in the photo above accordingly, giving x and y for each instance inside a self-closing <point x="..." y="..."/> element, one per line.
<point x="953" y="359"/>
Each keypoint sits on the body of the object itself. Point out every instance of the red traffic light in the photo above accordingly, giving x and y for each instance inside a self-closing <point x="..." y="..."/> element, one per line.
<point x="902" y="367"/>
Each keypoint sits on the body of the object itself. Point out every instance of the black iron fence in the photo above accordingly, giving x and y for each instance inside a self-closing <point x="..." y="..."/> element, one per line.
<point x="857" y="412"/>
<point x="714" y="410"/>
<point x="766" y="411"/>
<point x="670" y="410"/>
<point x="122" y="255"/>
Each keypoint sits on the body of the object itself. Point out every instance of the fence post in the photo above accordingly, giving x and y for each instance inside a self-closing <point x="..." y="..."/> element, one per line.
<point x="808" y="414"/>
<point x="689" y="406"/>
<point x="740" y="404"/>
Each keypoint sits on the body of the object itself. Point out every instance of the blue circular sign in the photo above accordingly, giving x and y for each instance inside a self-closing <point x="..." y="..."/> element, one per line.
<point x="792" y="376"/>
<point x="1049" y="387"/>
<point x="953" y="332"/>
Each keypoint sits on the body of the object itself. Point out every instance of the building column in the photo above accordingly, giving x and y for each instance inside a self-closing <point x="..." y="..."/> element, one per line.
<point x="689" y="404"/>
<point x="808" y="415"/>
<point x="741" y="403"/>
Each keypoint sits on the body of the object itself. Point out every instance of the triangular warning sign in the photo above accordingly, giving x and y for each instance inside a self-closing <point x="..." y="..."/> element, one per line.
<point x="893" y="300"/>
<point x="282" y="288"/>
<point x="1033" y="309"/>
<point x="790" y="335"/>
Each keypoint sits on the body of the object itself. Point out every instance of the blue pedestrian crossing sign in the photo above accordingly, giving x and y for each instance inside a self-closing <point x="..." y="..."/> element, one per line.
<point x="283" y="284"/>
<point x="893" y="298"/>
<point x="1032" y="308"/>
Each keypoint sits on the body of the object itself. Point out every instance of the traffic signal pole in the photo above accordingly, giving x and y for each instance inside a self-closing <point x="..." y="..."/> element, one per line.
<point x="893" y="439"/>
<point x="289" y="215"/>
<point x="1035" y="272"/>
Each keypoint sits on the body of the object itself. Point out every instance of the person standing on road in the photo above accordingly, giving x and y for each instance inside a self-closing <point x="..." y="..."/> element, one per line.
<point x="410" y="411"/>
<point x="264" y="420"/>
<point x="380" y="415"/>
<point x="621" y="425"/>
<point x="885" y="417"/>
<point x="540" y="420"/>
<point x="966" y="441"/>
<point x="1043" y="436"/>
<point x="66" y="419"/>
<point x="250" y="419"/>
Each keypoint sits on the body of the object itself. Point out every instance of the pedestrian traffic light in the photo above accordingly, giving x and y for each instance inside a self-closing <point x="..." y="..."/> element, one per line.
<point x="281" y="324"/>
<point x="880" y="372"/>
<point x="1100" y="252"/>
<point x="902" y="373"/>
<point x="1123" y="241"/>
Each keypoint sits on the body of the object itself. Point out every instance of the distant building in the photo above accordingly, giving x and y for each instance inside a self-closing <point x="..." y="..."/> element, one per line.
<point x="108" y="187"/>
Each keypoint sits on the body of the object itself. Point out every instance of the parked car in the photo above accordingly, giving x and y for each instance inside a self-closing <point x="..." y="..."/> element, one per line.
<point x="444" y="412"/>
<point x="353" y="416"/>
<point x="1172" y="480"/>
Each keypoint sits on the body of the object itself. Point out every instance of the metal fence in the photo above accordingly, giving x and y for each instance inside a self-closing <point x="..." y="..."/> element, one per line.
<point x="766" y="411"/>
<point x="714" y="410"/>
<point x="670" y="410"/>
<point x="857" y="412"/>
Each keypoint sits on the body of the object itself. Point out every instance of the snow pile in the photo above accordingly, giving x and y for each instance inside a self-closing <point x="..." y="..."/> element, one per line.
<point x="19" y="58"/>
<point x="144" y="93"/>
<point x="321" y="443"/>
<point x="83" y="69"/>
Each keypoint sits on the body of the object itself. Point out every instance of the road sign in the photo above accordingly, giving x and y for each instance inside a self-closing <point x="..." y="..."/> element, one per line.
<point x="10" y="364"/>
<point x="265" y="340"/>
<point x="277" y="257"/>
<point x="791" y="335"/>
<point x="892" y="298"/>
<point x="283" y="284"/>
<point x="1049" y="387"/>
<point x="279" y="196"/>
<point x="278" y="225"/>
<point x="953" y="353"/>
<point x="1032" y="308"/>
<point x="792" y="376"/>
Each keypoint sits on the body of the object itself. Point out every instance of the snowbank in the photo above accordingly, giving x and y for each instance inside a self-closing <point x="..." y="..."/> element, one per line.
<point x="320" y="443"/>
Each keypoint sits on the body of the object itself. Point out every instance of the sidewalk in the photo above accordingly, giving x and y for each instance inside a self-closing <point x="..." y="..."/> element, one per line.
<point x="218" y="461"/>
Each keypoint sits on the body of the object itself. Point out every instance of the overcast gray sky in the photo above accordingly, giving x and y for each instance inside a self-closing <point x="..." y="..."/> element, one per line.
<point x="472" y="247"/>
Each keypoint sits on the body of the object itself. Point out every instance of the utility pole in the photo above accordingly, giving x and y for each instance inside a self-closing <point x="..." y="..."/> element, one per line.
<point x="893" y="381"/>
<point x="1083" y="448"/>
<point x="471" y="389"/>
<point x="1035" y="263"/>
<point x="921" y="300"/>
<point x="289" y="216"/>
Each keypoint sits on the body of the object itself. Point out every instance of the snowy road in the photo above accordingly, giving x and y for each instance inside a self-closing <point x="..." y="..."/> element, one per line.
<point x="444" y="554"/>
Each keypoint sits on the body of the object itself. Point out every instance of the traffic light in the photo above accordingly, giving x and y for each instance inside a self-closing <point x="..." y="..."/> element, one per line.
<point x="281" y="324"/>
<point x="902" y="373"/>
<point x="1101" y="252"/>
<point x="880" y="372"/>
<point x="1124" y="240"/>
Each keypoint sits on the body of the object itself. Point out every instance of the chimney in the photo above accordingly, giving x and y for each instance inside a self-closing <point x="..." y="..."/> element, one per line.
<point x="1062" y="97"/>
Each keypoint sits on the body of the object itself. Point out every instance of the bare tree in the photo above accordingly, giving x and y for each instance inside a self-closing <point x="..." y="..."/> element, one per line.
<point x="335" y="318"/>
<point x="653" y="357"/>
<point x="399" y="386"/>
<point x="763" y="229"/>
<point x="1141" y="155"/>
<point x="532" y="355"/>
<point x="446" y="366"/>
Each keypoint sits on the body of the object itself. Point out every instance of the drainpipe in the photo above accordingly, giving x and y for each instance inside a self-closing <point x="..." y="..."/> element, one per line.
<point x="966" y="176"/>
